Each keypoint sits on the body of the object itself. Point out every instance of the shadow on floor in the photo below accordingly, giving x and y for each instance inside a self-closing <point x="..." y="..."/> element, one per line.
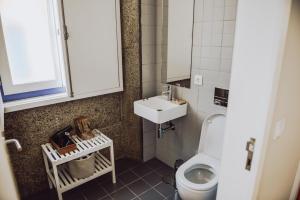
<point x="135" y="180"/>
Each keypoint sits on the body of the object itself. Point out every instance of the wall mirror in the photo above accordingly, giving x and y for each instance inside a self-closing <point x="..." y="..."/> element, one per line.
<point x="177" y="19"/>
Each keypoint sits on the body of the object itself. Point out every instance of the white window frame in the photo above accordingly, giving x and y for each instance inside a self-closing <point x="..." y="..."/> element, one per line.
<point x="9" y="88"/>
<point x="68" y="95"/>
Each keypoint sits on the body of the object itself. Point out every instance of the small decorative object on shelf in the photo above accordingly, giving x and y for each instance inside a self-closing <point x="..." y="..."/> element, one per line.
<point x="82" y="126"/>
<point x="59" y="172"/>
<point x="62" y="142"/>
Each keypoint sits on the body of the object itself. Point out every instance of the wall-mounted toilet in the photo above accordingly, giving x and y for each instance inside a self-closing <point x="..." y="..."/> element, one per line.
<point x="197" y="178"/>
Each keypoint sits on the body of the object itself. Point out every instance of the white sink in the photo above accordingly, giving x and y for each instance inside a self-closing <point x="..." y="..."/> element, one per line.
<point x="158" y="110"/>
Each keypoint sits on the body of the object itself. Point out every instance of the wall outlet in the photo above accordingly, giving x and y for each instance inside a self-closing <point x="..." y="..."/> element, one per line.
<point x="198" y="79"/>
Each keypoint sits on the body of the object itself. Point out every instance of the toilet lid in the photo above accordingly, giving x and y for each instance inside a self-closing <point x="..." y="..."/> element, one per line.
<point x="198" y="173"/>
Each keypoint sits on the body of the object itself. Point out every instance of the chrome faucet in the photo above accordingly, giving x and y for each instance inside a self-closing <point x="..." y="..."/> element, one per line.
<point x="167" y="92"/>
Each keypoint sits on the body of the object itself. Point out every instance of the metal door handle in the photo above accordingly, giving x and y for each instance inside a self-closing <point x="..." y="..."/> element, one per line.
<point x="16" y="142"/>
<point x="250" y="149"/>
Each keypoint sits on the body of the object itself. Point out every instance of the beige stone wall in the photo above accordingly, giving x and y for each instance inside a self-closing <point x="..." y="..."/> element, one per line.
<point x="112" y="114"/>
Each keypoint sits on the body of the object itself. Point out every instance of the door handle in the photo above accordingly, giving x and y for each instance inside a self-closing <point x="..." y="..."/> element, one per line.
<point x="16" y="142"/>
<point x="250" y="149"/>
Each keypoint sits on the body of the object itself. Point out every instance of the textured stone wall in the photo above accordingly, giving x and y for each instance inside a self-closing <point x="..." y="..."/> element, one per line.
<point x="130" y="12"/>
<point x="112" y="114"/>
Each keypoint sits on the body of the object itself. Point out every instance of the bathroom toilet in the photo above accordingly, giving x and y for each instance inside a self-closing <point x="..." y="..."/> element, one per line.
<point x="197" y="178"/>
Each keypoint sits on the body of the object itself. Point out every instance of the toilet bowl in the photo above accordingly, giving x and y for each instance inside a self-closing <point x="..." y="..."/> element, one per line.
<point x="197" y="178"/>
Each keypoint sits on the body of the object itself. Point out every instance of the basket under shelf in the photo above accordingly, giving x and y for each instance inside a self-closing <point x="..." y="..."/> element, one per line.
<point x="67" y="182"/>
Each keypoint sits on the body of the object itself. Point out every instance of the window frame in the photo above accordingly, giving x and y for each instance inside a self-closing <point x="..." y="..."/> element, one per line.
<point x="57" y="50"/>
<point x="68" y="95"/>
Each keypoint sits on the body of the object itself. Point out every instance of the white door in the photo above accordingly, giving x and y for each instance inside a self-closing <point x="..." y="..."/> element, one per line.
<point x="259" y="45"/>
<point x="8" y="189"/>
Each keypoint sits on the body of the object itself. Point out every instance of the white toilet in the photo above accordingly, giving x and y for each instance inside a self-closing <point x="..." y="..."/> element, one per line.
<point x="197" y="178"/>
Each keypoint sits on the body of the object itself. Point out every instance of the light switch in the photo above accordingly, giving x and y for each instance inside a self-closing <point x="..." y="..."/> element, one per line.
<point x="198" y="79"/>
<point x="279" y="128"/>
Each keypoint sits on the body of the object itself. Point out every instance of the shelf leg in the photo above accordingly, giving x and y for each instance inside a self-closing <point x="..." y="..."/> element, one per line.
<point x="112" y="160"/>
<point x="47" y="170"/>
<point x="57" y="182"/>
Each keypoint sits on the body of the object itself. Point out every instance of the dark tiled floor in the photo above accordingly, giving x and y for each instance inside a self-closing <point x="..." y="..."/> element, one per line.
<point x="135" y="181"/>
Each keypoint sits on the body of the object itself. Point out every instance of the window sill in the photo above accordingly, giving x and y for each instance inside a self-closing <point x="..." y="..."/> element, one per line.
<point x="36" y="102"/>
<point x="53" y="99"/>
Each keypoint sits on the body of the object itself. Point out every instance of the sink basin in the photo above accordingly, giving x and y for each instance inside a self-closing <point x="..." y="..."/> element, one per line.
<point x="159" y="110"/>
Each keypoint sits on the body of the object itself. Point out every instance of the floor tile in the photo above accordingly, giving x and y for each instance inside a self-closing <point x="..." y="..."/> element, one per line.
<point x="141" y="170"/>
<point x="123" y="194"/>
<point x="73" y="194"/>
<point x="151" y="195"/>
<point x="174" y="196"/>
<point x="165" y="171"/>
<point x="152" y="178"/>
<point x="104" y="178"/>
<point x="165" y="189"/>
<point x="128" y="177"/>
<point x="110" y="187"/>
<point x="125" y="164"/>
<point x="106" y="198"/>
<point x="93" y="191"/>
<point x="45" y="195"/>
<point x="139" y="187"/>
<point x="155" y="163"/>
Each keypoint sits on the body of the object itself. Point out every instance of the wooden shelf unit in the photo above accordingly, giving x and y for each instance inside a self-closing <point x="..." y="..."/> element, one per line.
<point x="57" y="170"/>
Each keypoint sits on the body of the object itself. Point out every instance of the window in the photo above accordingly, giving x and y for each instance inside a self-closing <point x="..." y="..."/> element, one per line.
<point x="31" y="62"/>
<point x="34" y="53"/>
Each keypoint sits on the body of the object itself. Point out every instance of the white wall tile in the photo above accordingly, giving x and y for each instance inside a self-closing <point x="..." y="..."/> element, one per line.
<point x="219" y="13"/>
<point x="228" y="40"/>
<point x="227" y="52"/>
<point x="148" y="153"/>
<point x="148" y="36"/>
<point x="197" y="35"/>
<point x="212" y="54"/>
<point x="226" y="65"/>
<point x="148" y="20"/>
<point x="199" y="8"/>
<point x="219" y="3"/>
<point x="230" y="13"/>
<point x="211" y="64"/>
<point x="229" y="27"/>
<point x="148" y="9"/>
<point x="148" y="2"/>
<point x="231" y="2"/>
<point x="149" y="73"/>
<point x="148" y="56"/>
<point x="208" y="10"/>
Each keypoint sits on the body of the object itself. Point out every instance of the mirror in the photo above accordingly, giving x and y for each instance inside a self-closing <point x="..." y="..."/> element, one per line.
<point x="177" y="41"/>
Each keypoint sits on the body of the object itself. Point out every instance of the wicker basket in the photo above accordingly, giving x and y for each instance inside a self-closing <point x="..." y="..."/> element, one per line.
<point x="82" y="167"/>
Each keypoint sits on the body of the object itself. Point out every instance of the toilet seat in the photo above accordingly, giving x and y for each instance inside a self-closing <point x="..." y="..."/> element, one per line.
<point x="198" y="161"/>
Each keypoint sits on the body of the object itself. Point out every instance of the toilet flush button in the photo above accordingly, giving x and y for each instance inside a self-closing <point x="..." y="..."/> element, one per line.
<point x="279" y="128"/>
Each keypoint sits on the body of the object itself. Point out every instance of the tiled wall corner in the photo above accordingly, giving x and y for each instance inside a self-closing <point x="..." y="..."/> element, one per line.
<point x="214" y="28"/>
